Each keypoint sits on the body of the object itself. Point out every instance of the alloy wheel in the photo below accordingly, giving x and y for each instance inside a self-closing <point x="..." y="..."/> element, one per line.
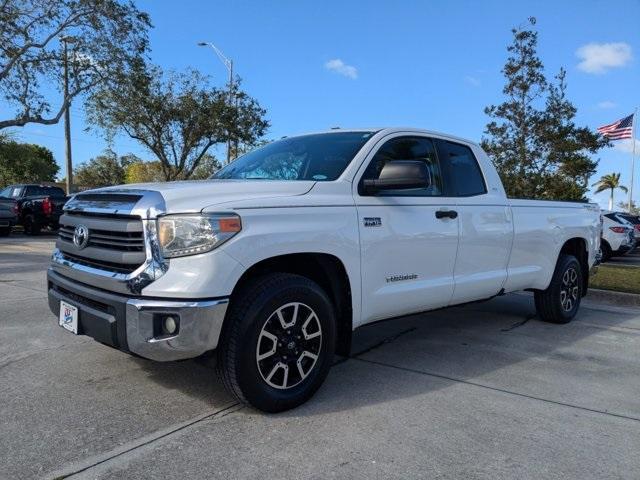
<point x="288" y="346"/>
<point x="569" y="290"/>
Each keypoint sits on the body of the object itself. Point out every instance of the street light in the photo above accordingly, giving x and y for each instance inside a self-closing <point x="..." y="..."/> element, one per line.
<point x="229" y="64"/>
<point x="67" y="120"/>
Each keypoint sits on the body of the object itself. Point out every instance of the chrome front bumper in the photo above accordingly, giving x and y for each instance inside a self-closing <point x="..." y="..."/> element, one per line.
<point x="128" y="323"/>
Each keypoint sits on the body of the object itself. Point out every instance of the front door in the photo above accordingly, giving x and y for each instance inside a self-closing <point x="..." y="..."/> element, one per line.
<point x="408" y="238"/>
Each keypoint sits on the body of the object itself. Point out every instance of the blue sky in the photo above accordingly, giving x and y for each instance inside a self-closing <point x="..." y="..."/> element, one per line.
<point x="428" y="64"/>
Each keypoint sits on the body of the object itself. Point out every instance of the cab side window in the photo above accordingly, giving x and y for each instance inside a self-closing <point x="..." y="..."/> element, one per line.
<point x="464" y="170"/>
<point x="406" y="148"/>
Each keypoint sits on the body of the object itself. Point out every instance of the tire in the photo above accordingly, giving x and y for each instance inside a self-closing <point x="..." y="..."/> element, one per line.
<point x="560" y="302"/>
<point x="31" y="225"/>
<point x="606" y="252"/>
<point x="5" y="231"/>
<point x="253" y="328"/>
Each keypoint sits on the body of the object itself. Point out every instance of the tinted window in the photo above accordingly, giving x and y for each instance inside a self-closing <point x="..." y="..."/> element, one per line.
<point x="465" y="170"/>
<point x="631" y="218"/>
<point x="39" y="190"/>
<point x="407" y="148"/>
<point x="11" y="192"/>
<point x="319" y="157"/>
<point x="612" y="216"/>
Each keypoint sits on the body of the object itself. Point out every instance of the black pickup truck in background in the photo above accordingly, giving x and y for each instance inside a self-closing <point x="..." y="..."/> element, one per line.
<point x="8" y="215"/>
<point x="39" y="206"/>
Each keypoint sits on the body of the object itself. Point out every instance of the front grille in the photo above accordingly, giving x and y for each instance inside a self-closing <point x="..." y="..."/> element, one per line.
<point x="104" y="265"/>
<point x="123" y="241"/>
<point x="115" y="242"/>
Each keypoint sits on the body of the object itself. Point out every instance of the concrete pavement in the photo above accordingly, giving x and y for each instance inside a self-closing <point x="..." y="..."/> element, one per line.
<point x="481" y="391"/>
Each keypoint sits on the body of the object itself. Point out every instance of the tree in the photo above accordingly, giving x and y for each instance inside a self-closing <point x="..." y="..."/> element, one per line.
<point x="104" y="170"/>
<point x="532" y="138"/>
<point x="207" y="167"/>
<point x="178" y="117"/>
<point x="144" y="172"/>
<point x="635" y="210"/>
<point x="609" y="182"/>
<point x="109" y="36"/>
<point x="25" y="163"/>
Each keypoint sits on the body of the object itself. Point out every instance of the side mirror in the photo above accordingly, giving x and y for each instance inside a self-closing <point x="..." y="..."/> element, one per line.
<point x="400" y="175"/>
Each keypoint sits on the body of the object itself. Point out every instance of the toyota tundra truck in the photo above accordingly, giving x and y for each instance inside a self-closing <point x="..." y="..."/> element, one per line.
<point x="275" y="260"/>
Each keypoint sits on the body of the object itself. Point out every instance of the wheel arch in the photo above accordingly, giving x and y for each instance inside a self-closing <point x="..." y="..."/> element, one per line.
<point x="578" y="247"/>
<point x="326" y="270"/>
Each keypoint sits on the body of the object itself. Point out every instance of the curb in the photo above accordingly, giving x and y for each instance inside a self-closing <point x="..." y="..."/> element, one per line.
<point x="620" y="299"/>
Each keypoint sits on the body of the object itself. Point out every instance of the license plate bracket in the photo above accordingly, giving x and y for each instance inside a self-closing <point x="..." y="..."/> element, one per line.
<point x="68" y="317"/>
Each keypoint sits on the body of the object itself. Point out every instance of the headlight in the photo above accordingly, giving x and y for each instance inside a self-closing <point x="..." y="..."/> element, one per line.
<point x="182" y="235"/>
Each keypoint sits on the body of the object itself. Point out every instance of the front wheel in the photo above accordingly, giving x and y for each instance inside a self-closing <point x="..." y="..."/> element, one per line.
<point x="278" y="342"/>
<point x="559" y="303"/>
<point x="607" y="253"/>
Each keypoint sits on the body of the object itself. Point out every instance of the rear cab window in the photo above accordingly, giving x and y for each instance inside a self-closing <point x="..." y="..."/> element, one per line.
<point x="463" y="168"/>
<point x="37" y="190"/>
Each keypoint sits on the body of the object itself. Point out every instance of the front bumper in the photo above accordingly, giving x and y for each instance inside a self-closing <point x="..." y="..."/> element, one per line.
<point x="127" y="323"/>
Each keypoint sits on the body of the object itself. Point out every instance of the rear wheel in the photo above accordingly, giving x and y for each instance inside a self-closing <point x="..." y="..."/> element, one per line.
<point x="5" y="231"/>
<point x="278" y="342"/>
<point x="559" y="303"/>
<point x="31" y="225"/>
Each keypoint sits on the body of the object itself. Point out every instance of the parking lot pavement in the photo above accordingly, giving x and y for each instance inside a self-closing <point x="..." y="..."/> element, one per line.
<point x="480" y="391"/>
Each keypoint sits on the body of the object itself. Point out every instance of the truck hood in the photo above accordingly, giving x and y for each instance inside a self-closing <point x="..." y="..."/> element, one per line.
<point x="195" y="195"/>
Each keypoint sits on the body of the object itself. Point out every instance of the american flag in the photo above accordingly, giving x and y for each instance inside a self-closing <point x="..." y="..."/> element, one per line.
<point x="619" y="129"/>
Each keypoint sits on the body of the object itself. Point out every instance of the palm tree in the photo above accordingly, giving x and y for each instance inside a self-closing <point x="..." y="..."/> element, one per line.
<point x="611" y="182"/>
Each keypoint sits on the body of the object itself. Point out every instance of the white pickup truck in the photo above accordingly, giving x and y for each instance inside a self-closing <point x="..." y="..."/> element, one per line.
<point x="276" y="259"/>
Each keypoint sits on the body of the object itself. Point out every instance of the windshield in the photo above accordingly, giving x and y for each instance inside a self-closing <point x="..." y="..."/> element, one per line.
<point x="319" y="157"/>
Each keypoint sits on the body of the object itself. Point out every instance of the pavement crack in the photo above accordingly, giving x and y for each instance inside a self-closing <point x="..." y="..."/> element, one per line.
<point x="497" y="389"/>
<point x="384" y="341"/>
<point x="519" y="324"/>
<point x="143" y="442"/>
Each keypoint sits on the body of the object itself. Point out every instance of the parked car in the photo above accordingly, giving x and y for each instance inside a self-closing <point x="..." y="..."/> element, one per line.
<point x="278" y="257"/>
<point x="39" y="206"/>
<point x="617" y="237"/>
<point x="630" y="220"/>
<point x="8" y="215"/>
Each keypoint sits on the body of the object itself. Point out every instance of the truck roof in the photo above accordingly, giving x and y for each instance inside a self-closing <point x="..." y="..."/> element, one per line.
<point x="389" y="130"/>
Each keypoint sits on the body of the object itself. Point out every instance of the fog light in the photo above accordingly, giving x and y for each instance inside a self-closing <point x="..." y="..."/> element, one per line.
<point x="170" y="325"/>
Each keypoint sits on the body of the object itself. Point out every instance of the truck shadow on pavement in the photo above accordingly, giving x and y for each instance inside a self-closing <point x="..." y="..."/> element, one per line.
<point x="496" y="345"/>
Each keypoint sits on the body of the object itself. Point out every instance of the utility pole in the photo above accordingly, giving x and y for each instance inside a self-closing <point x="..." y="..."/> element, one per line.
<point x="229" y="64"/>
<point x="67" y="119"/>
<point x="633" y="156"/>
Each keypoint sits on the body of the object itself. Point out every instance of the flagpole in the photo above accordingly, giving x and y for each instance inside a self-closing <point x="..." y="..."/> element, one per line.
<point x="633" y="157"/>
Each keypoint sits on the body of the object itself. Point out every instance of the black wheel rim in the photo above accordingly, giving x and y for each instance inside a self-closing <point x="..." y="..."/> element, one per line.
<point x="289" y="345"/>
<point x="569" y="289"/>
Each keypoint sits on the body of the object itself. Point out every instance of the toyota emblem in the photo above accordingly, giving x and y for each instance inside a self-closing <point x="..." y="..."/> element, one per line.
<point x="81" y="236"/>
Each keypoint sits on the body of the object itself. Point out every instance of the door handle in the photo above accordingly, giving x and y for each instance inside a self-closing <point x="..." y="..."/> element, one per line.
<point x="446" y="214"/>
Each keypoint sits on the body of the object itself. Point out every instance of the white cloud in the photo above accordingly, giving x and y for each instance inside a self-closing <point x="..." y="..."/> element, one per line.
<point x="599" y="57"/>
<point x="338" y="66"/>
<point x="607" y="104"/>
<point x="627" y="146"/>
<point x="472" y="81"/>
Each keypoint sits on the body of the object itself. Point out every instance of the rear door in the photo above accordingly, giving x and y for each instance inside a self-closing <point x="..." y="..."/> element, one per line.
<point x="408" y="249"/>
<point x="486" y="228"/>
